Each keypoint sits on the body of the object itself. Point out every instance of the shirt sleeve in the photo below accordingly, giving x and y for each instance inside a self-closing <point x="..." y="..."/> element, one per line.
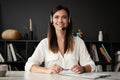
<point x="85" y="58"/>
<point x="37" y="57"/>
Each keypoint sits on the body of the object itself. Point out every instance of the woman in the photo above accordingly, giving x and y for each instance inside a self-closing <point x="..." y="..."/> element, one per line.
<point x="60" y="50"/>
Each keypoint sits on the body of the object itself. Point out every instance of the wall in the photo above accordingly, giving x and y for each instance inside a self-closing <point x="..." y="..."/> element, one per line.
<point x="88" y="15"/>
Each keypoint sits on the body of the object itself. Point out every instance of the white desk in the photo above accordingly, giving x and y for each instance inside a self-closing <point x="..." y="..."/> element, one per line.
<point x="21" y="75"/>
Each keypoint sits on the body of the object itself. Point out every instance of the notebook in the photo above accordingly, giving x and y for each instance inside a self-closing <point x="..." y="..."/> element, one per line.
<point x="91" y="75"/>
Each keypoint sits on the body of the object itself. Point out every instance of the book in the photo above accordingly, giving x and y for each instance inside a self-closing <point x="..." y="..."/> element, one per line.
<point x="104" y="54"/>
<point x="91" y="75"/>
<point x="106" y="51"/>
<point x="1" y="58"/>
<point x="13" y="52"/>
<point x="9" y="68"/>
<point x="94" y="53"/>
<point x="9" y="54"/>
<point x="19" y="57"/>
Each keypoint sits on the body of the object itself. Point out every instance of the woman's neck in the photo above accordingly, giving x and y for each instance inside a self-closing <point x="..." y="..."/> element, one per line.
<point x="60" y="35"/>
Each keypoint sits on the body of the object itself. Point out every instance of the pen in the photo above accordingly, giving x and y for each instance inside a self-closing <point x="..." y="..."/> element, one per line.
<point x="66" y="69"/>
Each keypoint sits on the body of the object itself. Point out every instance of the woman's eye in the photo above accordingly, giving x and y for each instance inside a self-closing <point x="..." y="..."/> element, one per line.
<point x="56" y="17"/>
<point x="64" y="17"/>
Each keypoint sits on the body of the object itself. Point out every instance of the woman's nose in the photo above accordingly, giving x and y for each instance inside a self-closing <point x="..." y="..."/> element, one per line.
<point x="60" y="20"/>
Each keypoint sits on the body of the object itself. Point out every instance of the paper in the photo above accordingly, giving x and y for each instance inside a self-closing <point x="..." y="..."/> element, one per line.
<point x="84" y="75"/>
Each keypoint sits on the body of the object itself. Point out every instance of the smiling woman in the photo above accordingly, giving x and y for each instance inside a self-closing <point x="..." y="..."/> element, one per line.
<point x="60" y="20"/>
<point x="60" y="50"/>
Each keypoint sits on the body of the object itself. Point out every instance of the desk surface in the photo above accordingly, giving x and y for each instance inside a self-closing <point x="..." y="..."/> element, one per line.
<point x="22" y="75"/>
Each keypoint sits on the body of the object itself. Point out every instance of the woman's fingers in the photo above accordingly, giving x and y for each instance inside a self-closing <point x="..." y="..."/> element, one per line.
<point x="56" y="68"/>
<point x="77" y="69"/>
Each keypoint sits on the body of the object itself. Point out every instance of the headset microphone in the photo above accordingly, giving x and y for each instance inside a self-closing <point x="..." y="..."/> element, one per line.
<point x="63" y="28"/>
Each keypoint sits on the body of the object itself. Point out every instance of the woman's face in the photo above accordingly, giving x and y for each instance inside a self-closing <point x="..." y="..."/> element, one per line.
<point x="60" y="19"/>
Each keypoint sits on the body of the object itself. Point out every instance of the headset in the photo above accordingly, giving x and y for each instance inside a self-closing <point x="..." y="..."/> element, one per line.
<point x="52" y="20"/>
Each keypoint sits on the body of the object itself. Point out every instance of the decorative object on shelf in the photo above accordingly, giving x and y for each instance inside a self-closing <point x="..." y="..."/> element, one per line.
<point x="78" y="33"/>
<point x="94" y="52"/>
<point x="3" y="69"/>
<point x="11" y="34"/>
<point x="100" y="36"/>
<point x="25" y="35"/>
<point x="30" y="34"/>
<point x="117" y="57"/>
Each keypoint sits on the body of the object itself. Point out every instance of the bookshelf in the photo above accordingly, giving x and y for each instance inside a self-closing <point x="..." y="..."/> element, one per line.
<point x="25" y="48"/>
<point x="111" y="47"/>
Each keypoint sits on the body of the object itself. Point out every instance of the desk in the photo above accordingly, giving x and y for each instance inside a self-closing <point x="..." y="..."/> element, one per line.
<point x="22" y="75"/>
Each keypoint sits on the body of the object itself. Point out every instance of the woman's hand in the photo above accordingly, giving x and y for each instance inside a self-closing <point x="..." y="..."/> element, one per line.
<point x="78" y="69"/>
<point x="54" y="69"/>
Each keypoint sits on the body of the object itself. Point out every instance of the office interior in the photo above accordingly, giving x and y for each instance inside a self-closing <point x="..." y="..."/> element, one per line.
<point x="90" y="16"/>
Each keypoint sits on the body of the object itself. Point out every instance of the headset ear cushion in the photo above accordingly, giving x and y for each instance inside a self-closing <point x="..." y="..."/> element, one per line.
<point x="50" y="18"/>
<point x="69" y="20"/>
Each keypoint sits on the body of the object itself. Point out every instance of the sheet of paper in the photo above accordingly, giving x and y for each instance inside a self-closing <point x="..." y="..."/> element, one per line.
<point x="85" y="75"/>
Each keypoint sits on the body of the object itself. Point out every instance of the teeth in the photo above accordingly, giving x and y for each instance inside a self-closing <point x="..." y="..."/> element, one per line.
<point x="60" y="24"/>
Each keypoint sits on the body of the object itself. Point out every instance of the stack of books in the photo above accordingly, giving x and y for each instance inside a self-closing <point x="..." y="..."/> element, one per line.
<point x="100" y="53"/>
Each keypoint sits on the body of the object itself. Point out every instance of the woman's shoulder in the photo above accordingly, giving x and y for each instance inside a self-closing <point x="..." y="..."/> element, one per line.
<point x="44" y="41"/>
<point x="77" y="39"/>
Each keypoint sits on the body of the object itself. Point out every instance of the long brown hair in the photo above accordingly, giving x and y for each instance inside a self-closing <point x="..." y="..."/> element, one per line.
<point x="52" y="39"/>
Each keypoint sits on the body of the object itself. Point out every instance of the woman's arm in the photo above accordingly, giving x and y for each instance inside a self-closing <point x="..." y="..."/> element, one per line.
<point x="38" y="69"/>
<point x="37" y="57"/>
<point x="87" y="68"/>
<point x="54" y="69"/>
<point x="85" y="59"/>
<point x="81" y="69"/>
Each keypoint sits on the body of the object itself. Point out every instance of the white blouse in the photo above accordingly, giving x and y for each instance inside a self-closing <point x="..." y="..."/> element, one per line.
<point x="43" y="54"/>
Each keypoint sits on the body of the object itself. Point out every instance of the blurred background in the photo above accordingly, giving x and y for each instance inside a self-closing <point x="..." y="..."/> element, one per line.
<point x="90" y="16"/>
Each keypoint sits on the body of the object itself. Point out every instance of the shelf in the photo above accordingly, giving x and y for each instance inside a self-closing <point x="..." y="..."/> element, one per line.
<point x="26" y="48"/>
